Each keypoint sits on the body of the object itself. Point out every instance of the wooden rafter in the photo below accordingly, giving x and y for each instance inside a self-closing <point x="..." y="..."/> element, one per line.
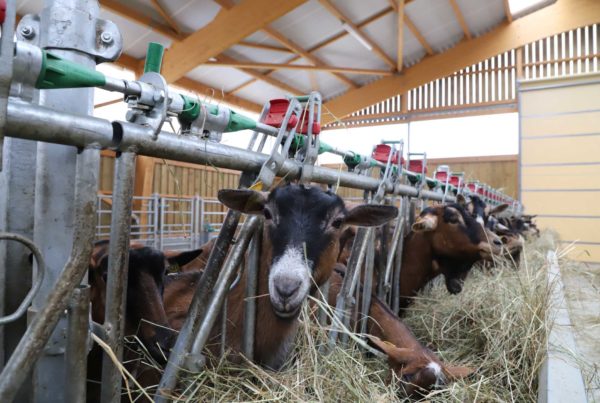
<point x="415" y="31"/>
<point x="305" y="54"/>
<point x="107" y="103"/>
<point x="507" y="12"/>
<point x="226" y="60"/>
<point x="336" y="12"/>
<point x="227" y="29"/>
<point x="295" y="48"/>
<point x="548" y="21"/>
<point x="170" y="20"/>
<point x="276" y="66"/>
<point x="164" y="30"/>
<point x="134" y="15"/>
<point x="400" y="53"/>
<point x="324" y="43"/>
<point x="461" y="19"/>
<point x="263" y="46"/>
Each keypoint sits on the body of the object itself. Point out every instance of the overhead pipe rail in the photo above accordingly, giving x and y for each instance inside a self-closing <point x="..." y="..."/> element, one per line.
<point x="50" y="60"/>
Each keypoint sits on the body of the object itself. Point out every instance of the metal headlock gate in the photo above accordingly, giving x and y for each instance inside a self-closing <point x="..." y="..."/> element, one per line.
<point x="53" y="146"/>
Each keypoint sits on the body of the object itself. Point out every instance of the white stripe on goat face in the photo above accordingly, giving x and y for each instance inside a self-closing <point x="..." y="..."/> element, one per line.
<point x="437" y="371"/>
<point x="289" y="282"/>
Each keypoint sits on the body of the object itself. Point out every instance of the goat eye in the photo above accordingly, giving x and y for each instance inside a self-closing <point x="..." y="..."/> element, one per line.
<point x="337" y="223"/>
<point x="453" y="219"/>
<point x="267" y="214"/>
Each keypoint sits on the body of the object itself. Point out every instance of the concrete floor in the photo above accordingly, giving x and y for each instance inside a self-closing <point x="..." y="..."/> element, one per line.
<point x="582" y="288"/>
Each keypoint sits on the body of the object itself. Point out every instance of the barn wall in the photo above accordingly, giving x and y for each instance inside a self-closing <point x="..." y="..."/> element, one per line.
<point x="560" y="158"/>
<point x="500" y="172"/>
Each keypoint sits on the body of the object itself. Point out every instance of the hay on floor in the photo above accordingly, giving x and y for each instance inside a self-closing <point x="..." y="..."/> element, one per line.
<point x="497" y="325"/>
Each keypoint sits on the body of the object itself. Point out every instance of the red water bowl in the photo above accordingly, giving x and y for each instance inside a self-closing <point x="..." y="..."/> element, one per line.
<point x="382" y="153"/>
<point x="277" y="110"/>
<point x="416" y="166"/>
<point x="316" y="126"/>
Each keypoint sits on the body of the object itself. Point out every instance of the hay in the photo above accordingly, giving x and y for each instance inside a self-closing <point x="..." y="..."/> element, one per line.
<point x="496" y="325"/>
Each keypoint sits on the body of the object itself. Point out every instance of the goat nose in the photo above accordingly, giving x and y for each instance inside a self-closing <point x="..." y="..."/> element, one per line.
<point x="288" y="286"/>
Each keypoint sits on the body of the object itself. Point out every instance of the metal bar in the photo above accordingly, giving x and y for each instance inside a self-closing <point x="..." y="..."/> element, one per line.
<point x="118" y="266"/>
<point x="395" y="300"/>
<point x="36" y="123"/>
<point x="38" y="333"/>
<point x="41" y="265"/>
<point x="252" y="267"/>
<point x="198" y="307"/>
<point x="344" y="298"/>
<point x="78" y="316"/>
<point x="367" y="283"/>
<point x="224" y="282"/>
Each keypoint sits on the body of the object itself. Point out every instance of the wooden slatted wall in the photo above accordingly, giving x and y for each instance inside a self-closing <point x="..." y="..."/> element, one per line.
<point x="560" y="158"/>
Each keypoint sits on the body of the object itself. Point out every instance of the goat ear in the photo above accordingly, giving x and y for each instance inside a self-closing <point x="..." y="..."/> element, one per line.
<point x="182" y="258"/>
<point x="243" y="200"/>
<point x="455" y="373"/>
<point x="461" y="201"/>
<point x="499" y="209"/>
<point x="425" y="223"/>
<point x="395" y="354"/>
<point x="370" y="215"/>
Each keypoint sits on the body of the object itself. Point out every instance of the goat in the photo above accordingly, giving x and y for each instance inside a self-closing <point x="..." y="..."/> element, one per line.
<point x="300" y="245"/>
<point x="416" y="367"/>
<point x="445" y="239"/>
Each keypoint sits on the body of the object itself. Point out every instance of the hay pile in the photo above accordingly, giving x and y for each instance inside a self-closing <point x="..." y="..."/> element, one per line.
<point x="496" y="325"/>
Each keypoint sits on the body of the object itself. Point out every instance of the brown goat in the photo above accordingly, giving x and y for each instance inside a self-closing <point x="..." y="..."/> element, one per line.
<point x="300" y="245"/>
<point x="445" y="239"/>
<point x="415" y="366"/>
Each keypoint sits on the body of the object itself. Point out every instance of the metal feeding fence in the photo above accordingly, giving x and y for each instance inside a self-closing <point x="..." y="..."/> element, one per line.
<point x="53" y="146"/>
<point x="166" y="223"/>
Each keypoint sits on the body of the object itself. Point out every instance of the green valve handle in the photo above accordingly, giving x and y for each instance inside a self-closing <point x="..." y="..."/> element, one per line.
<point x="154" y="57"/>
<point x="57" y="72"/>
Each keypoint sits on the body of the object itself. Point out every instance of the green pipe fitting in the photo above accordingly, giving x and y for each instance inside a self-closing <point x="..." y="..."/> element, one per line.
<point x="57" y="72"/>
<point x="154" y="57"/>
<point x="239" y="122"/>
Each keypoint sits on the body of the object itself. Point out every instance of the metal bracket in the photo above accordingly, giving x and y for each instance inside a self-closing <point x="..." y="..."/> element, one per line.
<point x="309" y="152"/>
<point x="280" y="149"/>
<point x="209" y="126"/>
<point x="150" y="108"/>
<point x="102" y="38"/>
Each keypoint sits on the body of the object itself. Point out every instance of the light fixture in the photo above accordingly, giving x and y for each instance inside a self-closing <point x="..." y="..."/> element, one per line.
<point x="519" y="8"/>
<point x="357" y="35"/>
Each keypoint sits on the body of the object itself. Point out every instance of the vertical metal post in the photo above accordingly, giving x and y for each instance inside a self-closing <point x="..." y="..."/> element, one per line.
<point x="118" y="265"/>
<point x="54" y="221"/>
<point x="48" y="315"/>
<point x="17" y="181"/>
<point x="397" y="257"/>
<point x="367" y="283"/>
<point x="252" y="267"/>
<point x="78" y="315"/>
<point x="155" y="219"/>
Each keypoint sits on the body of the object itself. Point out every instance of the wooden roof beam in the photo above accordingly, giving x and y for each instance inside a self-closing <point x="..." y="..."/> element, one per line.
<point x="263" y="46"/>
<point x="415" y="31"/>
<point x="276" y="66"/>
<point x="561" y="16"/>
<point x="295" y="48"/>
<point x="324" y="43"/>
<point x="222" y="58"/>
<point x="336" y="12"/>
<point x="400" y="52"/>
<point x="412" y="27"/>
<point x="507" y="12"/>
<point x="228" y="28"/>
<point x="163" y="13"/>
<point x="461" y="19"/>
